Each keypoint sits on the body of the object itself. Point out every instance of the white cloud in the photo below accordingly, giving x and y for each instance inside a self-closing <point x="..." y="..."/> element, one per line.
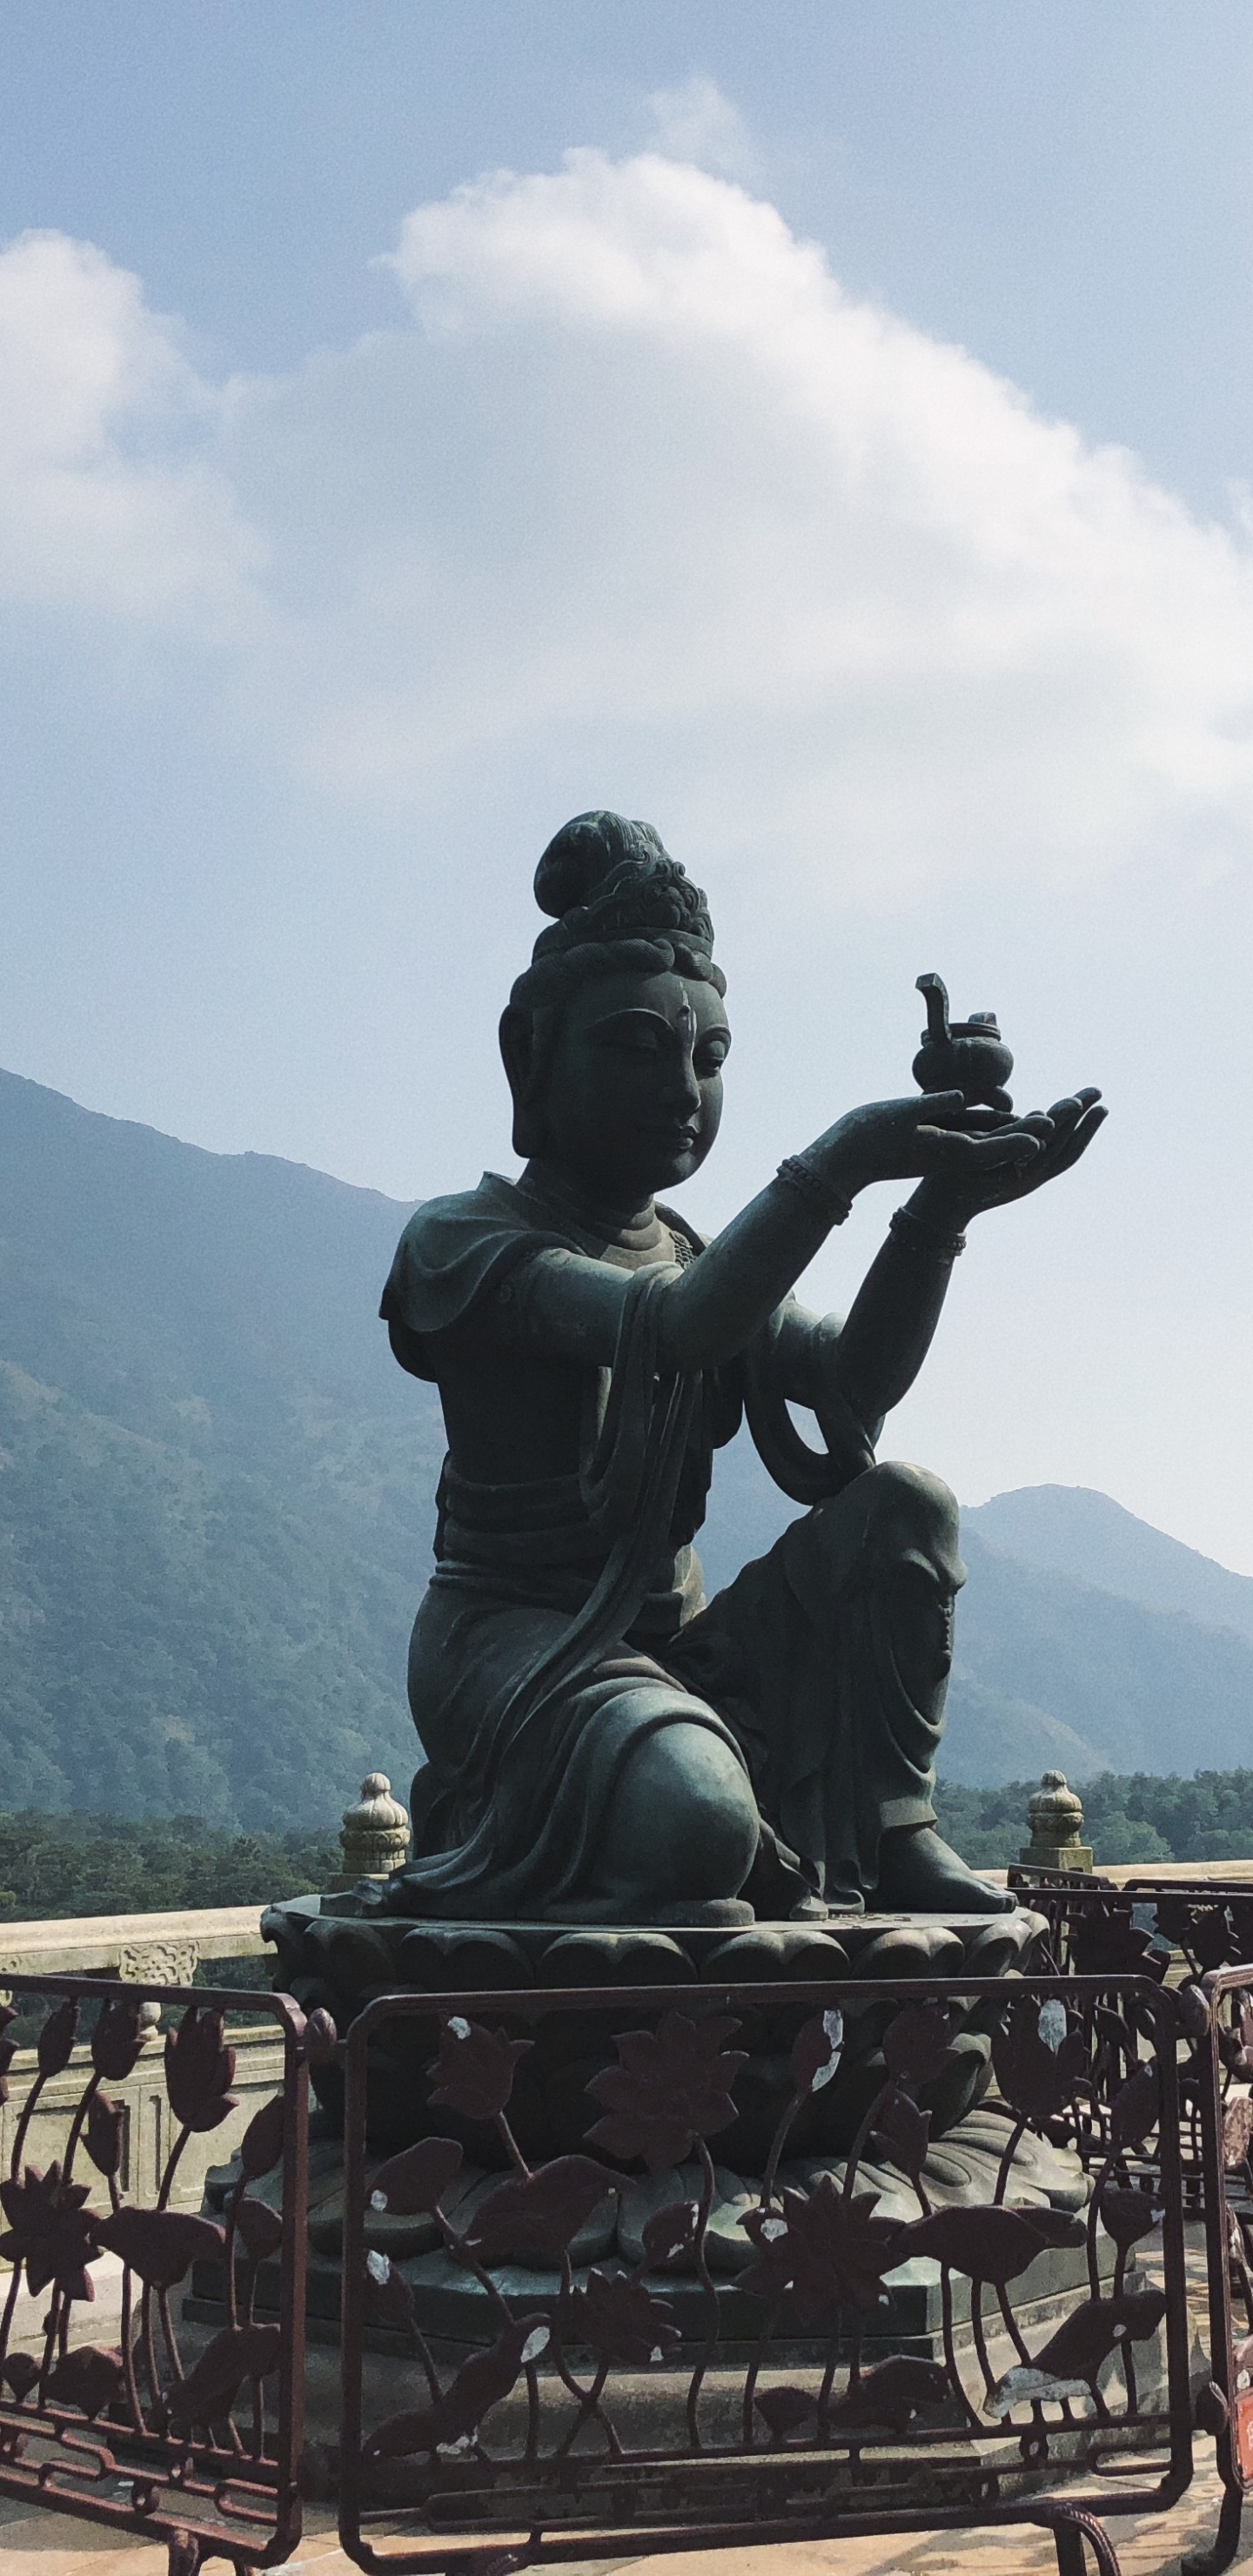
<point x="697" y="122"/>
<point x="633" y="504"/>
<point x="109" y="497"/>
<point x="640" y="486"/>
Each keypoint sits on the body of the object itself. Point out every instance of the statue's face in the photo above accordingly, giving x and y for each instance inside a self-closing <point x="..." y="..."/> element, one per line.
<point x="633" y="1097"/>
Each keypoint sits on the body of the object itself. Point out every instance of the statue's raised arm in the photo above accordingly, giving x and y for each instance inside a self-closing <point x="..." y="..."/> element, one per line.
<point x="602" y="1745"/>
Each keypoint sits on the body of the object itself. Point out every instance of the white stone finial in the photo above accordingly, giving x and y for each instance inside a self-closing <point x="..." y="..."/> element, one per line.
<point x="374" y="1836"/>
<point x="1055" y="1823"/>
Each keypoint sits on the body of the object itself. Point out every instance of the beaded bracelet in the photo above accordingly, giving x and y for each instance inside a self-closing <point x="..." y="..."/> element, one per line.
<point x="924" y="1236"/>
<point x="832" y="1205"/>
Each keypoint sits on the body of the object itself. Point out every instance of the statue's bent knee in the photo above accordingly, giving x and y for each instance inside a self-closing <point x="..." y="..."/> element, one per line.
<point x="683" y="1820"/>
<point x="895" y="1520"/>
<point x="899" y="1510"/>
<point x="915" y="1498"/>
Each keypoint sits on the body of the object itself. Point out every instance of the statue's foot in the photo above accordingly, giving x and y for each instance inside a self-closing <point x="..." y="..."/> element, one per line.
<point x="919" y="1874"/>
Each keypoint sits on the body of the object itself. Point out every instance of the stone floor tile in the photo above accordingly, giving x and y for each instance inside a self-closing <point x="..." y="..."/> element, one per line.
<point x="35" y="2544"/>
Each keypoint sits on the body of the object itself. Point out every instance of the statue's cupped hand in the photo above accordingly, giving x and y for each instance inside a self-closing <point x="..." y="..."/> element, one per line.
<point x="953" y="1193"/>
<point x="936" y="1135"/>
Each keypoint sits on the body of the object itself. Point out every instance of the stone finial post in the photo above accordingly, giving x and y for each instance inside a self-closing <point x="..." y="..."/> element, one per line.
<point x="374" y="1836"/>
<point x="1055" y="1823"/>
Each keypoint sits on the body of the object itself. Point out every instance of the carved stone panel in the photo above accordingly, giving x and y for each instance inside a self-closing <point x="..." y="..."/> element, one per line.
<point x="158" y="1963"/>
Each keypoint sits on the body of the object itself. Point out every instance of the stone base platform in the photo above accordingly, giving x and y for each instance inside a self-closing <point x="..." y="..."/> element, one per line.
<point x="722" y="2329"/>
<point x="337" y="1952"/>
<point x="457" y="2316"/>
<point x="347" y="1944"/>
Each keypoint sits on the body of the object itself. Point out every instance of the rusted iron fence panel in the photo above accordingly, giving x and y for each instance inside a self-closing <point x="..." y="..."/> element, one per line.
<point x="1199" y="1935"/>
<point x="145" y="2429"/>
<point x="1222" y="2071"/>
<point x="1173" y="1932"/>
<point x="577" y="2364"/>
<point x="1095" y="1925"/>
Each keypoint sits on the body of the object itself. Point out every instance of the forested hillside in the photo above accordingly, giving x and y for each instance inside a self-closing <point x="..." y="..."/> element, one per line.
<point x="216" y="1503"/>
<point x="78" y="1864"/>
<point x="1143" y="1818"/>
<point x="214" y="1483"/>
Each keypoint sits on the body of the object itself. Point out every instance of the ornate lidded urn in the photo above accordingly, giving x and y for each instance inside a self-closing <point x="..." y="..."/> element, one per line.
<point x="969" y="1056"/>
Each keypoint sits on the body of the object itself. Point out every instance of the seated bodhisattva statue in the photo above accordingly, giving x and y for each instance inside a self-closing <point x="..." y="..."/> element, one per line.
<point x="603" y="1746"/>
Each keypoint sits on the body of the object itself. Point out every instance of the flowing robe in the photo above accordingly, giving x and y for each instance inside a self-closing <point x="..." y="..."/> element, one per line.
<point x="565" y="1621"/>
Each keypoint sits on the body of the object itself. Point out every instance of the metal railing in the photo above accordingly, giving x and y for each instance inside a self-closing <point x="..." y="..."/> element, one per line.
<point x="1199" y="1935"/>
<point x="556" y="2346"/>
<point x="198" y="2450"/>
<point x="559" y="2403"/>
<point x="1223" y="2067"/>
<point x="1095" y="1922"/>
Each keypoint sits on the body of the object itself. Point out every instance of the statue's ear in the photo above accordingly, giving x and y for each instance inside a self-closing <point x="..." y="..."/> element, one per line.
<point x="518" y="1052"/>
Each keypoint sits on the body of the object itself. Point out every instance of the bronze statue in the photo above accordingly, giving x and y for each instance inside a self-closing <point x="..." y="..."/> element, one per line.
<point x="602" y="1745"/>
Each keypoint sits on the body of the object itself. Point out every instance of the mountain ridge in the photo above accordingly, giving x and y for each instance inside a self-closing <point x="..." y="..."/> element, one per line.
<point x="1074" y="1530"/>
<point x="217" y="1502"/>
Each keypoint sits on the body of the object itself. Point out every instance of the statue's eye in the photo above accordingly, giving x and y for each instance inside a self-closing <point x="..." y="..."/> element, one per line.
<point x="711" y="1054"/>
<point x="633" y="1033"/>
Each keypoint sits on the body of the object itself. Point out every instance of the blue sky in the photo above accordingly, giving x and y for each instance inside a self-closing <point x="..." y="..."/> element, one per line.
<point x="1066" y="190"/>
<point x="827" y="434"/>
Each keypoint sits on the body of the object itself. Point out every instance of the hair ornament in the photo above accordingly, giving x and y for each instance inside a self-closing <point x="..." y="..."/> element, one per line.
<point x="605" y="879"/>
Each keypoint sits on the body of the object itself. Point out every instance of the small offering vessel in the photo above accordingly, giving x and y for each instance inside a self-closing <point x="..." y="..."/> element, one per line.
<point x="969" y="1056"/>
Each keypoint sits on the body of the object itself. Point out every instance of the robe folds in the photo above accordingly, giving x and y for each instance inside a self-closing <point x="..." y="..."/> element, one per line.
<point x="565" y="1621"/>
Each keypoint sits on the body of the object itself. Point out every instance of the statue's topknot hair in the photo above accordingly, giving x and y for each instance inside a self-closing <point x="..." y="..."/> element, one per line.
<point x="605" y="879"/>
<point x="583" y="853"/>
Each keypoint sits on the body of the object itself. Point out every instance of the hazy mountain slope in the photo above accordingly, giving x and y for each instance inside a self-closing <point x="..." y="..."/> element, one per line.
<point x="174" y="1639"/>
<point x="216" y="1504"/>
<point x="1145" y="1689"/>
<point x="215" y="1485"/>
<point x="747" y="1513"/>
<point x="1071" y="1530"/>
<point x="990" y="1735"/>
<point x="227" y="1301"/>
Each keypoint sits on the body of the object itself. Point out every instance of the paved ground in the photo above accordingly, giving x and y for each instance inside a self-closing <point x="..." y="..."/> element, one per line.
<point x="48" y="2545"/>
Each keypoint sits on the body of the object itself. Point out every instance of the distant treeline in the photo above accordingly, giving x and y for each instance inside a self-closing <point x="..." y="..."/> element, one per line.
<point x="1132" y="1816"/>
<point x="58" y="1865"/>
<point x="77" y="1864"/>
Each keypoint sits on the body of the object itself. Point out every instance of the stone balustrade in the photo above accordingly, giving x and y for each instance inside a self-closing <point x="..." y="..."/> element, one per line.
<point x="146" y="2131"/>
<point x="145" y="1949"/>
<point x="171" y="1950"/>
<point x="167" y="1949"/>
<point x="1197" y="1872"/>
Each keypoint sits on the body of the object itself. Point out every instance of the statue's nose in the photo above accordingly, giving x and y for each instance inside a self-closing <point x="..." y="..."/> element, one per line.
<point x="686" y="1086"/>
